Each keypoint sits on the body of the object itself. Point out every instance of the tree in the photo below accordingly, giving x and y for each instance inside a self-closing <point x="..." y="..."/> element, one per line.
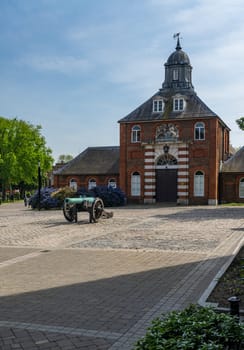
<point x="240" y="123"/>
<point x="22" y="148"/>
<point x="64" y="158"/>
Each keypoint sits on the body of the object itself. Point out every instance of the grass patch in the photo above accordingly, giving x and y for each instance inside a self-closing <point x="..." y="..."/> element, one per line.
<point x="233" y="205"/>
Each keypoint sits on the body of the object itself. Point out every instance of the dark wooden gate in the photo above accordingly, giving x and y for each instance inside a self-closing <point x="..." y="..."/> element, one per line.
<point x="166" y="185"/>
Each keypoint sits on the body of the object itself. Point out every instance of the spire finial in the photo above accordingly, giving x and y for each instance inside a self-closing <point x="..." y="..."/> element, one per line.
<point x="177" y="35"/>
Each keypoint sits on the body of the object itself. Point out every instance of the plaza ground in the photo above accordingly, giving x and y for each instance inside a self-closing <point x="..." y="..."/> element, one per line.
<point x="89" y="286"/>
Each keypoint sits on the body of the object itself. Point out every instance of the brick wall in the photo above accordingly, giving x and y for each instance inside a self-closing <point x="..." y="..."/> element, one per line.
<point x="192" y="155"/>
<point x="229" y="187"/>
<point x="82" y="180"/>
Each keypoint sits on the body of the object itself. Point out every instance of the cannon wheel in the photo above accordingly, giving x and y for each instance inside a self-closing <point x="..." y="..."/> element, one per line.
<point x="70" y="212"/>
<point x="96" y="210"/>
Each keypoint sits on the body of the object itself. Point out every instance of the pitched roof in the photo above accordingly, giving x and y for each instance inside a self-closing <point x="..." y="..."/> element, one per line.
<point x="195" y="108"/>
<point x="94" y="161"/>
<point x="235" y="164"/>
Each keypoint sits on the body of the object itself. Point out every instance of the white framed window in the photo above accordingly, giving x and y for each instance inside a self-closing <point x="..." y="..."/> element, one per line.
<point x="199" y="132"/>
<point x="135" y="184"/>
<point x="179" y="104"/>
<point x="73" y="184"/>
<point x="241" y="188"/>
<point x="158" y="105"/>
<point x="175" y="74"/>
<point x="91" y="184"/>
<point x="112" y="183"/>
<point x="136" y="133"/>
<point x="199" y="184"/>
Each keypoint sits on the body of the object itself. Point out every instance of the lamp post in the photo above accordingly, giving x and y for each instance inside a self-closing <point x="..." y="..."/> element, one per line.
<point x="39" y="186"/>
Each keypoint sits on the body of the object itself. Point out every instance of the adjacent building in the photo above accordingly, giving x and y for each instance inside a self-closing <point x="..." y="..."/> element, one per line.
<point x="232" y="179"/>
<point x="96" y="166"/>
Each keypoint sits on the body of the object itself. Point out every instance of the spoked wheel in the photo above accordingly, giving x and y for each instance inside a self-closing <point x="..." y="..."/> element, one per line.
<point x="96" y="210"/>
<point x="70" y="212"/>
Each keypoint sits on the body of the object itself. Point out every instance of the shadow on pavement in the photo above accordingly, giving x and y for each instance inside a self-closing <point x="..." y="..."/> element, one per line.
<point x="204" y="214"/>
<point x="111" y="305"/>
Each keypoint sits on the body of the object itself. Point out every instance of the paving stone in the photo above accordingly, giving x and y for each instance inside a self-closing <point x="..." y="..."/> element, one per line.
<point x="98" y="286"/>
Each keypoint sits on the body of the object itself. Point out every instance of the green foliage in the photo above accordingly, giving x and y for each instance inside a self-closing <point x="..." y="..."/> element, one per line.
<point x="64" y="158"/>
<point x="62" y="193"/>
<point x="240" y="123"/>
<point x="22" y="147"/>
<point x="233" y="204"/>
<point x="193" y="328"/>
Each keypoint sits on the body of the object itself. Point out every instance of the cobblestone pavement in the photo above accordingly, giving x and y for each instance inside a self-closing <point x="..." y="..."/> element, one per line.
<point x="97" y="286"/>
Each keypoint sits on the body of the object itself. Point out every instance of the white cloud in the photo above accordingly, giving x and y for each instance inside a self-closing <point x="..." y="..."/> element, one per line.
<point x="206" y="16"/>
<point x="61" y="64"/>
<point x="120" y="53"/>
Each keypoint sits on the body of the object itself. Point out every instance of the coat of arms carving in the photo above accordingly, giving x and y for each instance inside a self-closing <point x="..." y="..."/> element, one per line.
<point x="167" y="132"/>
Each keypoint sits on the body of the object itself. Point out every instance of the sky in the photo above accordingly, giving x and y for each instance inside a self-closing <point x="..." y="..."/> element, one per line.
<point x="76" y="67"/>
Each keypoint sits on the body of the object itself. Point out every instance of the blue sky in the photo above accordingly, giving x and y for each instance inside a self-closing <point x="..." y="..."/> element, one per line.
<point x="78" y="66"/>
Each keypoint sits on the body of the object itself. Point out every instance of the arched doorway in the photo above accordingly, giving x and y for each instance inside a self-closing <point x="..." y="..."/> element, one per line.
<point x="166" y="178"/>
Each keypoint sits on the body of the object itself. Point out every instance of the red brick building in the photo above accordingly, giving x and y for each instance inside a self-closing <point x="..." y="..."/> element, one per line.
<point x="232" y="179"/>
<point x="96" y="166"/>
<point x="172" y="146"/>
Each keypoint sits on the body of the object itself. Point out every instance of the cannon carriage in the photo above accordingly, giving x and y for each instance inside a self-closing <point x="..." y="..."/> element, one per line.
<point x="94" y="206"/>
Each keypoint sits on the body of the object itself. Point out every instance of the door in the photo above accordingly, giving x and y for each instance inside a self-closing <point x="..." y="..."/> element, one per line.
<point x="166" y="185"/>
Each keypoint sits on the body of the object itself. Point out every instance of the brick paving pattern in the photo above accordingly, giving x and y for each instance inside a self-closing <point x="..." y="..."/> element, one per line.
<point x="98" y="286"/>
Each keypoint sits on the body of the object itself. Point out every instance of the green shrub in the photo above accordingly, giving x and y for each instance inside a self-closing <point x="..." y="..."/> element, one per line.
<point x="62" y="193"/>
<point x="198" y="328"/>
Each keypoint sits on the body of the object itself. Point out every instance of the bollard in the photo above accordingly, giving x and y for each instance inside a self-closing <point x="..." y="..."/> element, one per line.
<point x="234" y="306"/>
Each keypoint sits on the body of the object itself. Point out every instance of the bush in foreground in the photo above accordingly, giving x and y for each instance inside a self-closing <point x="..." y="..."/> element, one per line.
<point x="111" y="197"/>
<point x="62" y="193"/>
<point x="196" y="327"/>
<point x="53" y="198"/>
<point x="46" y="200"/>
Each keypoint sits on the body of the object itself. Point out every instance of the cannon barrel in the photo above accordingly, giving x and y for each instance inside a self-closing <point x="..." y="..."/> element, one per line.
<point x="79" y="200"/>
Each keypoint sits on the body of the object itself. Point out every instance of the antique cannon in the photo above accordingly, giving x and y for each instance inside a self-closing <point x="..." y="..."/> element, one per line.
<point x="94" y="206"/>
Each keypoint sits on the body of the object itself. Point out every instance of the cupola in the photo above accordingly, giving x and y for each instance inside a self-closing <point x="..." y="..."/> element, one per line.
<point x="178" y="71"/>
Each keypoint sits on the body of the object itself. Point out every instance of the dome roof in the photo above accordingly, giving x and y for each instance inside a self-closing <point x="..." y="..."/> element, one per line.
<point x="179" y="56"/>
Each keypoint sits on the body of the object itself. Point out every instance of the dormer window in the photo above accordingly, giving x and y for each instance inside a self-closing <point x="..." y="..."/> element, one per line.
<point x="158" y="106"/>
<point x="179" y="104"/>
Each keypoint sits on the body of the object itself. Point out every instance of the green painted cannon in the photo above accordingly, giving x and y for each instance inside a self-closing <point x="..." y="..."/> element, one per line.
<point x="94" y="206"/>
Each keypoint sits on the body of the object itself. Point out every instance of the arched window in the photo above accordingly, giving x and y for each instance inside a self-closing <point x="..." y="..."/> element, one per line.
<point x="199" y="184"/>
<point x="135" y="184"/>
<point x="73" y="184"/>
<point x="241" y="188"/>
<point x="112" y="183"/>
<point x="166" y="159"/>
<point x="91" y="184"/>
<point x="136" y="133"/>
<point x="199" y="131"/>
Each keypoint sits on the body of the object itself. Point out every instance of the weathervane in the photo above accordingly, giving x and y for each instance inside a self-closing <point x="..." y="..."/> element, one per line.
<point x="177" y="35"/>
